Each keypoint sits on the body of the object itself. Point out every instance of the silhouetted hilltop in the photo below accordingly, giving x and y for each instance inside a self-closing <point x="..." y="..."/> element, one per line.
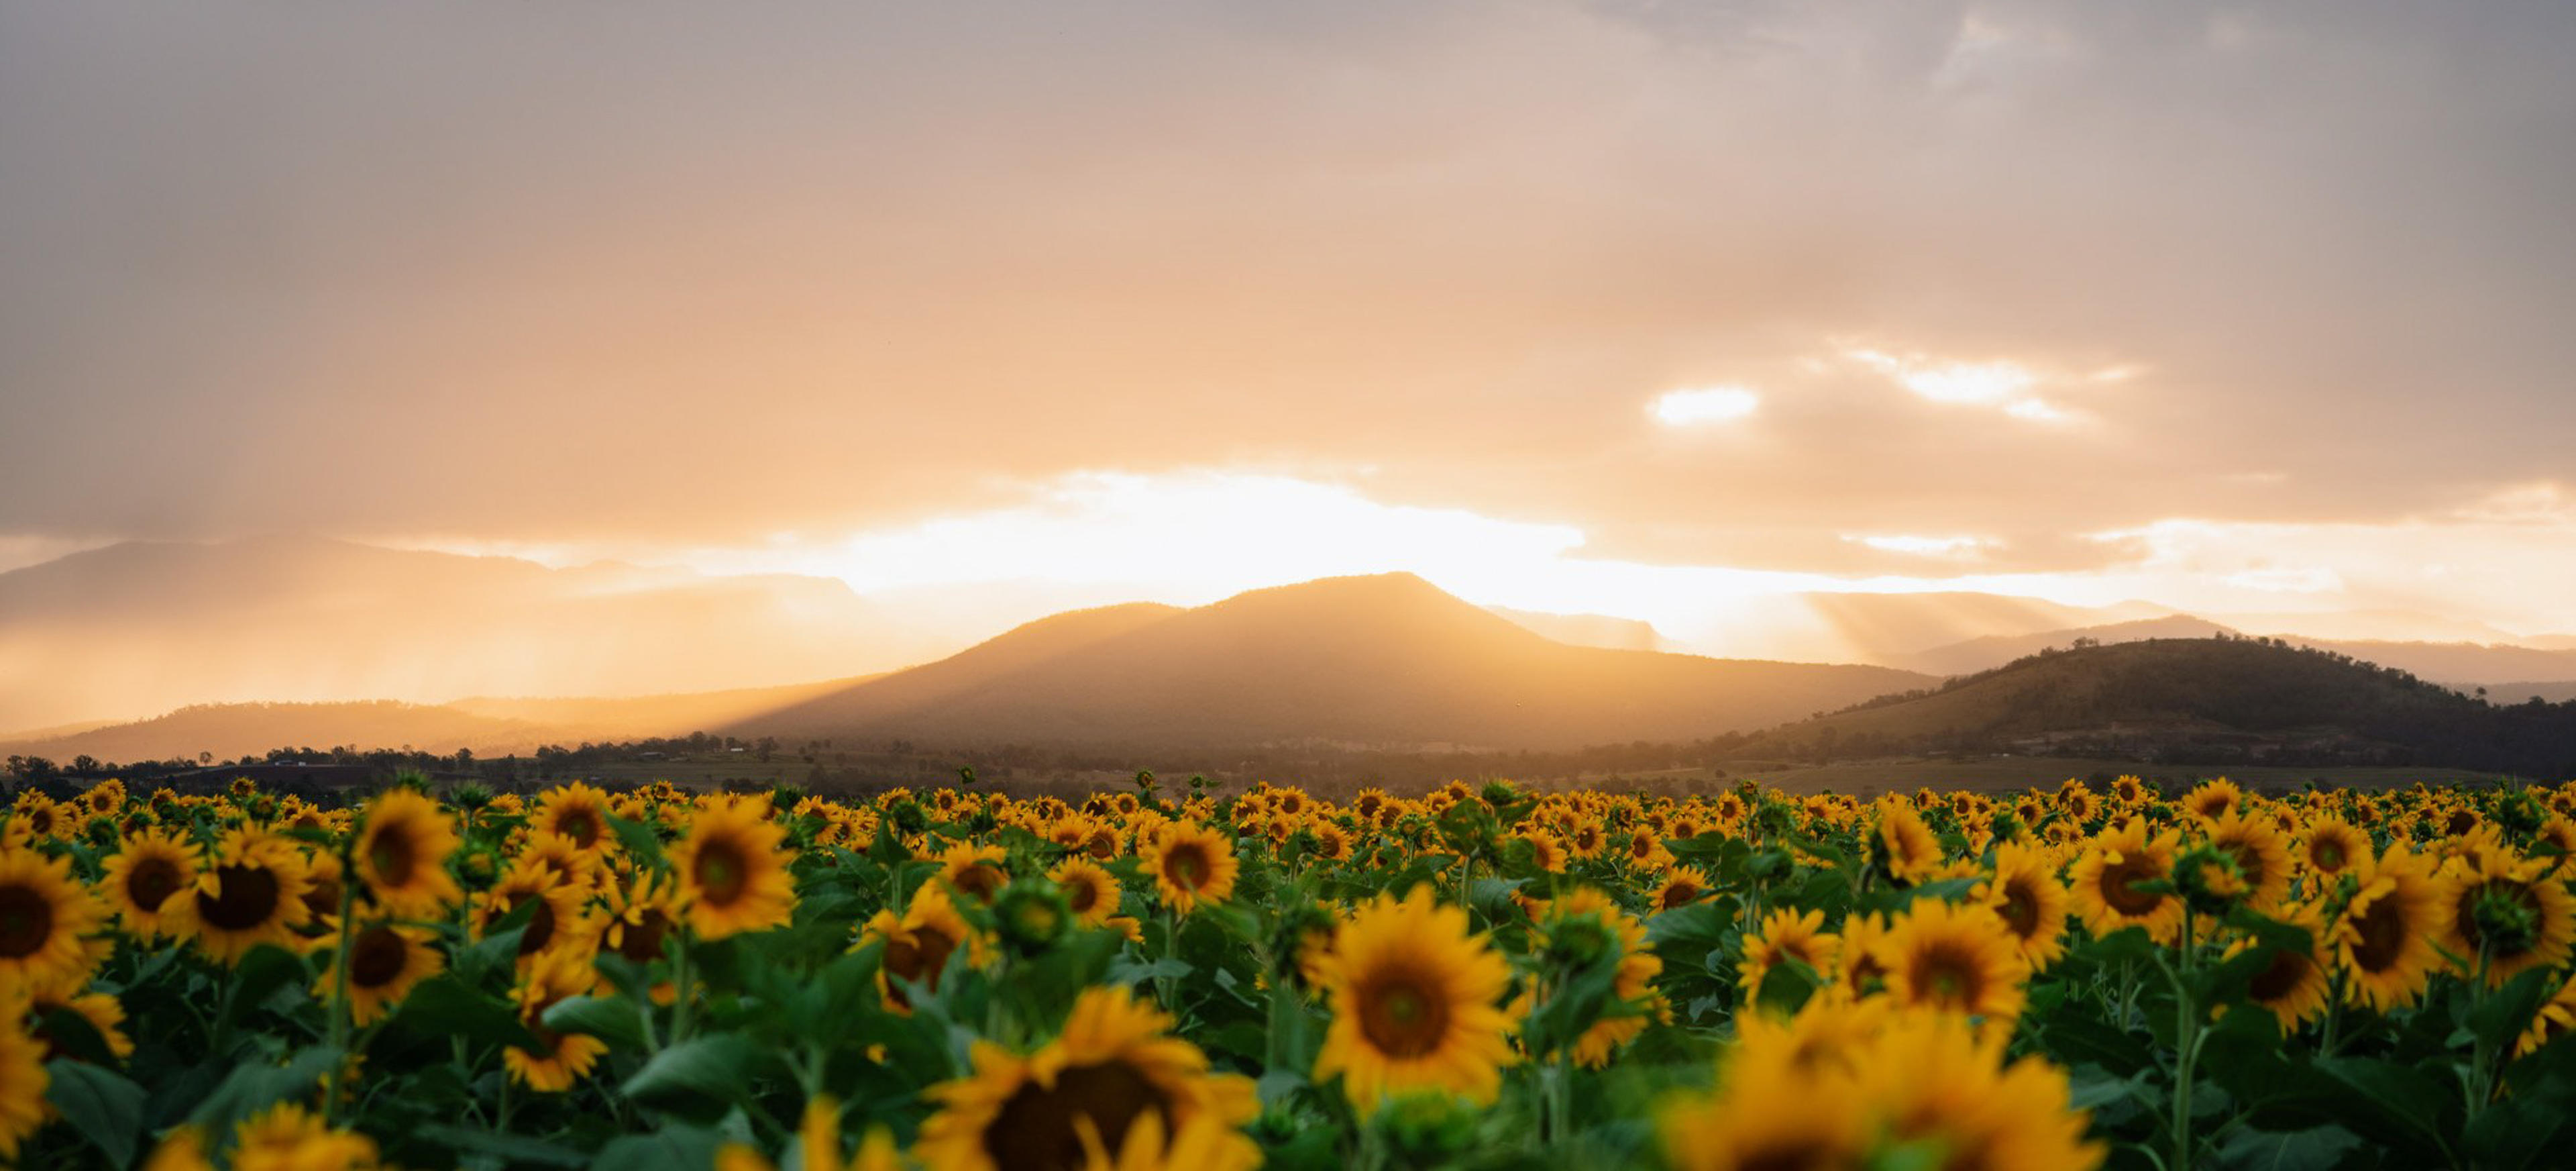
<point x="1379" y="660"/>
<point x="2208" y="700"/>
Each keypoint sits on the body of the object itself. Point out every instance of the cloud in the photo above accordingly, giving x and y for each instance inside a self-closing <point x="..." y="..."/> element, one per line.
<point x="687" y="277"/>
<point x="1704" y="405"/>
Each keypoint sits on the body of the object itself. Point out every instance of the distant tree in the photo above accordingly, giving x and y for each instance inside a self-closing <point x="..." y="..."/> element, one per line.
<point x="85" y="764"/>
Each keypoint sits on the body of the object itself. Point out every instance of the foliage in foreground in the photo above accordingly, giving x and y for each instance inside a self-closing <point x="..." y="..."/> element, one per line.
<point x="1477" y="978"/>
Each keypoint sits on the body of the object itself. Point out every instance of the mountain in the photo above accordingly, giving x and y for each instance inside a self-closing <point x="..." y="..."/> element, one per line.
<point x="1992" y="651"/>
<point x="136" y="629"/>
<point x="488" y="726"/>
<point x="2203" y="700"/>
<point x="1597" y="630"/>
<point x="1385" y="661"/>
<point x="2467" y="664"/>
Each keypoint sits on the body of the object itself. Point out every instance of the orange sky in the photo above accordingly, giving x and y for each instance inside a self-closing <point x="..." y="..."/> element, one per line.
<point x="1602" y="306"/>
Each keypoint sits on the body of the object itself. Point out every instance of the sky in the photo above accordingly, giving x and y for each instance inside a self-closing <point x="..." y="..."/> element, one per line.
<point x="1626" y="306"/>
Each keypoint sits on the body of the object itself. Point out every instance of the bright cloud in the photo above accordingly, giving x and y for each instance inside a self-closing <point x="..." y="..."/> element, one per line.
<point x="1922" y="546"/>
<point x="2003" y="385"/>
<point x="1702" y="405"/>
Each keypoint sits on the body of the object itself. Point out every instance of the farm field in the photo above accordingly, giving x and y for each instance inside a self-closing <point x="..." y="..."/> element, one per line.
<point x="1477" y="976"/>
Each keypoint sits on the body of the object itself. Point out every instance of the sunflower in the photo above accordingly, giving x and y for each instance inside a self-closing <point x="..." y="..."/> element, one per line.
<point x="578" y="812"/>
<point x="1682" y="886"/>
<point x="1787" y="935"/>
<point x="977" y="872"/>
<point x="563" y="1058"/>
<point x="1414" y="999"/>
<point x="549" y="927"/>
<point x="574" y="865"/>
<point x="1758" y="1122"/>
<point x="402" y="854"/>
<point x="733" y="875"/>
<point x="2508" y="915"/>
<point x="2262" y="858"/>
<point x="1954" y="957"/>
<point x="2333" y="846"/>
<point x="917" y="946"/>
<point x="1859" y="971"/>
<point x="385" y="962"/>
<point x="818" y="1145"/>
<point x="1546" y="851"/>
<point x="2556" y="1018"/>
<point x="106" y="1016"/>
<point x="250" y="890"/>
<point x="2106" y="880"/>
<point x="286" y="1138"/>
<point x="2026" y="895"/>
<point x="1938" y="1083"/>
<point x="1192" y="863"/>
<point x="2214" y="799"/>
<point x="141" y="879"/>
<point x="44" y="912"/>
<point x="1088" y="1093"/>
<point x="182" y="1148"/>
<point x="1088" y="890"/>
<point x="635" y="920"/>
<point x="22" y="1084"/>
<point x="323" y="875"/>
<point x="2385" y="939"/>
<point x="1632" y="985"/>
<point x="1902" y="844"/>
<point x="35" y="813"/>
<point x="2295" y="986"/>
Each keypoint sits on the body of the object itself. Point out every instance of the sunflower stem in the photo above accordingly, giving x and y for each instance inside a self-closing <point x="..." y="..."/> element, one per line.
<point x="340" y="983"/>
<point x="2187" y="1035"/>
<point x="684" y="989"/>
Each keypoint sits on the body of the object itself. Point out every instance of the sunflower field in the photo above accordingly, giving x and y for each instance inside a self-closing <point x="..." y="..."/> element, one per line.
<point x="1480" y="977"/>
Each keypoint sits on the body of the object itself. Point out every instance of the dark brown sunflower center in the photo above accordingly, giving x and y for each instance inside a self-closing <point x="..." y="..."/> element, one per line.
<point x="2020" y="910"/>
<point x="245" y="897"/>
<point x="1402" y="1014"/>
<point x="1187" y="866"/>
<point x="1949" y="975"/>
<point x="2461" y="823"/>
<point x="919" y="961"/>
<point x="391" y="852"/>
<point x="322" y="895"/>
<point x="1035" y="1128"/>
<point x="979" y="880"/>
<point x="2249" y="861"/>
<point x="1082" y="896"/>
<point x="2120" y="882"/>
<point x="581" y="825"/>
<point x="2281" y="978"/>
<point x="2327" y="853"/>
<point x="541" y="925"/>
<point x="720" y="873"/>
<point x="376" y="957"/>
<point x="26" y="921"/>
<point x="151" y="882"/>
<point x="1679" y="894"/>
<point x="643" y="943"/>
<point x="2383" y="935"/>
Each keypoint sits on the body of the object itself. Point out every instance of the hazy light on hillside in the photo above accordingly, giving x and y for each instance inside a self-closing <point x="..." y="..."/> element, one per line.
<point x="1707" y="404"/>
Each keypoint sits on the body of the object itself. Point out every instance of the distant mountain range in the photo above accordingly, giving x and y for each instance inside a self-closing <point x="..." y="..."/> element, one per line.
<point x="244" y="646"/>
<point x="2468" y="664"/>
<point x="1386" y="660"/>
<point x="2196" y="700"/>
<point x="136" y="629"/>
